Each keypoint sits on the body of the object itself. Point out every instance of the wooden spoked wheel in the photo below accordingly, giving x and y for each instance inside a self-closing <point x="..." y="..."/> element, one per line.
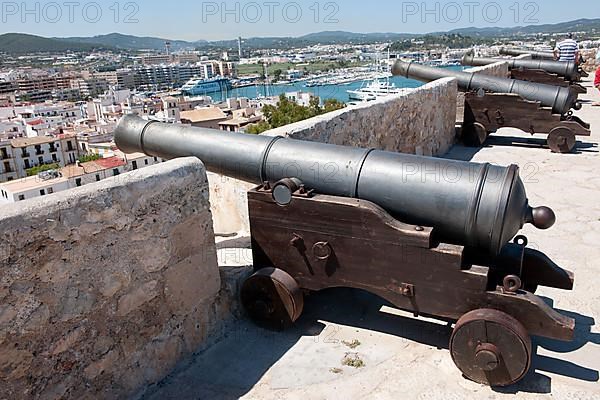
<point x="474" y="134"/>
<point x="491" y="347"/>
<point x="272" y="299"/>
<point x="561" y="140"/>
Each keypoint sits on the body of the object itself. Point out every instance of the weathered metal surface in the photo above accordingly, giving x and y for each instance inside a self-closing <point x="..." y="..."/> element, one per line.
<point x="539" y="55"/>
<point x="569" y="70"/>
<point x="492" y="111"/>
<point x="539" y="76"/>
<point x="560" y="99"/>
<point x="491" y="347"/>
<point x="272" y="298"/>
<point x="476" y="205"/>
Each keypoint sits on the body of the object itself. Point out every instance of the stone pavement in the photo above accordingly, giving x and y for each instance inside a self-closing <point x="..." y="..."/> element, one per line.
<point x="406" y="357"/>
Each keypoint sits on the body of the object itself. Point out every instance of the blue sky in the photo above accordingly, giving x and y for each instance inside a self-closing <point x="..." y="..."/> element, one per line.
<point x="211" y="20"/>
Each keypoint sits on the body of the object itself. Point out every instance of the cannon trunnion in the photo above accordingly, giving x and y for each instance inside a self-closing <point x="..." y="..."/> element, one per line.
<point x="361" y="246"/>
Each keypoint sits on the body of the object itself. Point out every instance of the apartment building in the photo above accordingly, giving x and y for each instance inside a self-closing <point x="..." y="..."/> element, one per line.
<point x="164" y="76"/>
<point x="72" y="176"/>
<point x="90" y="87"/>
<point x="26" y="153"/>
<point x="8" y="168"/>
<point x="153" y="59"/>
<point x="120" y="79"/>
<point x="68" y="111"/>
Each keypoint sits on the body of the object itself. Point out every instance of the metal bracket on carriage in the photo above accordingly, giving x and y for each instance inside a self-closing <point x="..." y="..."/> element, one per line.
<point x="284" y="190"/>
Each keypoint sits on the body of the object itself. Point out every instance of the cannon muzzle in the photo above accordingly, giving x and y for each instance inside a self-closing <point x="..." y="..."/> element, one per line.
<point x="476" y="205"/>
<point x="560" y="99"/>
<point x="538" y="55"/>
<point x="568" y="70"/>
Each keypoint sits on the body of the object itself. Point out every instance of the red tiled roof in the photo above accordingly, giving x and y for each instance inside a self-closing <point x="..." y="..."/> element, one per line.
<point x="111" y="162"/>
<point x="35" y="122"/>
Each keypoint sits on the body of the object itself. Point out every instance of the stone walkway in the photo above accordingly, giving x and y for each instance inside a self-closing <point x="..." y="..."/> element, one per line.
<point x="406" y="357"/>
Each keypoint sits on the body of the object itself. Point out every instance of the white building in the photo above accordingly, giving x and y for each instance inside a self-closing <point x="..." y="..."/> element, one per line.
<point x="12" y="128"/>
<point x="300" y="98"/>
<point x="8" y="168"/>
<point x="31" y="187"/>
<point x="72" y="176"/>
<point x="26" y="153"/>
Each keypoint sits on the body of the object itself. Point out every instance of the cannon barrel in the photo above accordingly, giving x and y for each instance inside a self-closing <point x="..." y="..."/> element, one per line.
<point x="561" y="99"/>
<point x="476" y="205"/>
<point x="568" y="70"/>
<point x="514" y="52"/>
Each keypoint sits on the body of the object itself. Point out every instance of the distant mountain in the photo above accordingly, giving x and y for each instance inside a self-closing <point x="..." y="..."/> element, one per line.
<point x="580" y="25"/>
<point x="129" y="42"/>
<point x="20" y="43"/>
<point x="342" y="36"/>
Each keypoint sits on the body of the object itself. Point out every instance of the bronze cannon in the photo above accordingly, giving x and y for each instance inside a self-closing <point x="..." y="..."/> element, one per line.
<point x="536" y="55"/>
<point x="557" y="73"/>
<point x="493" y="102"/>
<point x="432" y="236"/>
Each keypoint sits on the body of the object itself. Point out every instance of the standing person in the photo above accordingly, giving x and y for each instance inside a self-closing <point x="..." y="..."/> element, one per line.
<point x="597" y="80"/>
<point x="567" y="50"/>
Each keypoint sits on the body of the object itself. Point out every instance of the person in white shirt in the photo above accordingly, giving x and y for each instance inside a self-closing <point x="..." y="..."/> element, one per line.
<point x="567" y="50"/>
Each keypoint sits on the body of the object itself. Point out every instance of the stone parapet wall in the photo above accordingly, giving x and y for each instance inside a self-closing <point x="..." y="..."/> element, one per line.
<point x="103" y="289"/>
<point x="590" y="65"/>
<point x="499" y="69"/>
<point x="419" y="121"/>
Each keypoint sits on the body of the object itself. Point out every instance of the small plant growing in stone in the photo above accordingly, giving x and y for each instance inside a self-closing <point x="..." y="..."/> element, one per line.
<point x="353" y="360"/>
<point x="353" y="344"/>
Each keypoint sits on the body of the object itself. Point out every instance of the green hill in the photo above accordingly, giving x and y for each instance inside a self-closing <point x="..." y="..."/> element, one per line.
<point x="130" y="42"/>
<point x="20" y="43"/>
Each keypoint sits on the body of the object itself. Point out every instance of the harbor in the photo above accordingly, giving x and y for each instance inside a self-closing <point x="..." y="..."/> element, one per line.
<point x="327" y="86"/>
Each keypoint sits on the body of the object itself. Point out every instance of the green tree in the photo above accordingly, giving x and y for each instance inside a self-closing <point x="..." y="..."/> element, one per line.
<point x="41" y="168"/>
<point x="258" y="128"/>
<point x="89" y="157"/>
<point x="332" y="105"/>
<point x="287" y="112"/>
<point x="277" y="75"/>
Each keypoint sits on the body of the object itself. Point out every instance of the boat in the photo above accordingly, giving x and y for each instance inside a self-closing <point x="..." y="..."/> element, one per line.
<point x="374" y="90"/>
<point x="199" y="86"/>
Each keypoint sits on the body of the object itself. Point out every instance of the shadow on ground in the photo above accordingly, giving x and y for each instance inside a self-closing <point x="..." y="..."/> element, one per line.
<point x="464" y="153"/>
<point x="236" y="364"/>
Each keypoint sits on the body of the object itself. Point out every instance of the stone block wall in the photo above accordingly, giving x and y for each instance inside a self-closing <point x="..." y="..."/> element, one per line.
<point x="499" y="69"/>
<point x="420" y="121"/>
<point x="103" y="289"/>
<point x="590" y="65"/>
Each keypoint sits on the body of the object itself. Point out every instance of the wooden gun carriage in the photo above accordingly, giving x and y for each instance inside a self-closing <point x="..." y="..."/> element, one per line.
<point x="485" y="113"/>
<point x="361" y="246"/>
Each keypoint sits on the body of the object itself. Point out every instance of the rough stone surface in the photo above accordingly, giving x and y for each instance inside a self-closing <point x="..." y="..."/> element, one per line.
<point x="419" y="121"/>
<point x="499" y="69"/>
<point x="590" y="65"/>
<point x="103" y="289"/>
